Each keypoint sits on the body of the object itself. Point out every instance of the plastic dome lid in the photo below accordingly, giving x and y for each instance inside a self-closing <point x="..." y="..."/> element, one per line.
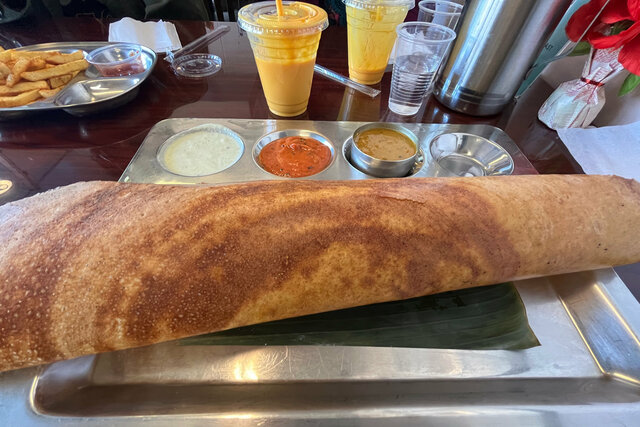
<point x="299" y="18"/>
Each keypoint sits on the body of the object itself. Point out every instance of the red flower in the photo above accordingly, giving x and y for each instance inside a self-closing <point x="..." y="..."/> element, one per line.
<point x="627" y="11"/>
<point x="629" y="56"/>
<point x="582" y="18"/>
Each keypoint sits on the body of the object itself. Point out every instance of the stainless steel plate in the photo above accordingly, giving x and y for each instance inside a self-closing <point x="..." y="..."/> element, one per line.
<point x="88" y="105"/>
<point x="585" y="372"/>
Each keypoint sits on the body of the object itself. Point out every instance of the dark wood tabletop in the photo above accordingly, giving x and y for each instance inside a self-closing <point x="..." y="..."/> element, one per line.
<point x="50" y="149"/>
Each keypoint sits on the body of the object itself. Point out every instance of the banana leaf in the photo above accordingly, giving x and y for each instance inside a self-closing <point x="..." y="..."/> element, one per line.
<point x="490" y="317"/>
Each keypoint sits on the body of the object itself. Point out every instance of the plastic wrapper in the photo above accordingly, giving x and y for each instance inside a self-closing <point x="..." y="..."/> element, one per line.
<point x="576" y="103"/>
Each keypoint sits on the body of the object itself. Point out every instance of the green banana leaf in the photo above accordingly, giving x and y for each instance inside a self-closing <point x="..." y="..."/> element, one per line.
<point x="490" y="317"/>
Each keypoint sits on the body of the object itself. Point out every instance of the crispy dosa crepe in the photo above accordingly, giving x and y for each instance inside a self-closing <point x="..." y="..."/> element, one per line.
<point x="102" y="266"/>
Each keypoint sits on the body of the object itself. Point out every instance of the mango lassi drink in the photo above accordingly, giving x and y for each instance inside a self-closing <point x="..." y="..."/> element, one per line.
<point x="371" y="33"/>
<point x="284" y="48"/>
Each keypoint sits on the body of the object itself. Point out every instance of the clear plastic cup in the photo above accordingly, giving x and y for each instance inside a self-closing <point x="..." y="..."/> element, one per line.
<point x="122" y="59"/>
<point x="284" y="48"/>
<point x="371" y="33"/>
<point x="420" y="50"/>
<point x="440" y="12"/>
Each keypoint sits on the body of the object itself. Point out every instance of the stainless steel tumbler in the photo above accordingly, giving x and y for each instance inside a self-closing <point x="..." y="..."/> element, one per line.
<point x="498" y="41"/>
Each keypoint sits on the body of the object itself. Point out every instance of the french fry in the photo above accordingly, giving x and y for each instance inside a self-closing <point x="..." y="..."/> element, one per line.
<point x="47" y="93"/>
<point x="20" y="67"/>
<point x="58" y="70"/>
<point x="19" y="54"/>
<point x="23" y="87"/>
<point x="4" y="70"/>
<point x="26" y="76"/>
<point x="58" y="81"/>
<point x="63" y="58"/>
<point x="22" y="99"/>
<point x="37" y="64"/>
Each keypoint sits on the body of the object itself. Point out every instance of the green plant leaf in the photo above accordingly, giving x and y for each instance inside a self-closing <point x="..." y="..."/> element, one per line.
<point x="582" y="48"/>
<point x="630" y="83"/>
<point x="489" y="317"/>
<point x="619" y="27"/>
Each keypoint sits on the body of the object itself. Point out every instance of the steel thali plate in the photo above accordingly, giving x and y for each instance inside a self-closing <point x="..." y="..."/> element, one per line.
<point x="145" y="168"/>
<point x="585" y="372"/>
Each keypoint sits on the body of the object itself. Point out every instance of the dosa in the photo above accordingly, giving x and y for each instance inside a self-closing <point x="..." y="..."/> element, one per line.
<point x="102" y="266"/>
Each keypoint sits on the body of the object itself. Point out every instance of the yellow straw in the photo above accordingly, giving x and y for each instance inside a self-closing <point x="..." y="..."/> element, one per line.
<point x="279" y="8"/>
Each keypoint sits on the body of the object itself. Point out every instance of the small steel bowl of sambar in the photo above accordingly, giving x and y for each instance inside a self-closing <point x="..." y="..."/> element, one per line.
<point x="384" y="150"/>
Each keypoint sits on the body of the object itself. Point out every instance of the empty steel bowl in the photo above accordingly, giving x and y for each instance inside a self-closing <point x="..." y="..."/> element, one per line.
<point x="465" y="154"/>
<point x="378" y="167"/>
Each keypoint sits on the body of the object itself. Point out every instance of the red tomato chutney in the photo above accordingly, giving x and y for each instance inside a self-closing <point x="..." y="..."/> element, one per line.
<point x="295" y="156"/>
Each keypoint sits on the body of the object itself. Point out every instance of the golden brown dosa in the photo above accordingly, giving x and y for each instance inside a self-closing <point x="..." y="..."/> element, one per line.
<point x="102" y="266"/>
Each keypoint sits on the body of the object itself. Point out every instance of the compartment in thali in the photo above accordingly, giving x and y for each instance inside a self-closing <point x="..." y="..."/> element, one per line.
<point x="293" y="153"/>
<point x="200" y="151"/>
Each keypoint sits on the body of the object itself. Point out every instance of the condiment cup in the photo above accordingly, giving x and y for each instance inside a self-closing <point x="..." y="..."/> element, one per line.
<point x="465" y="154"/>
<point x="270" y="137"/>
<point x="122" y="59"/>
<point x="378" y="167"/>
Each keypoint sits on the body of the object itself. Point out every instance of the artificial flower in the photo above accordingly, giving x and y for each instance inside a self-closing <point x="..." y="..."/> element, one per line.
<point x="610" y="26"/>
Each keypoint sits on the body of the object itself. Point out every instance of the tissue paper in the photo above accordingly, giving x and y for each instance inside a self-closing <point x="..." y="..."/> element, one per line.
<point x="160" y="36"/>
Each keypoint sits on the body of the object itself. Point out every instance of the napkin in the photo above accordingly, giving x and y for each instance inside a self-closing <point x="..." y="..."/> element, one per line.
<point x="606" y="150"/>
<point x="160" y="36"/>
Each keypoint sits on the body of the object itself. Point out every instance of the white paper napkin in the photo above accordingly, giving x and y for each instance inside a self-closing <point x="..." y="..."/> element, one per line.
<point x="160" y="36"/>
<point x="610" y="150"/>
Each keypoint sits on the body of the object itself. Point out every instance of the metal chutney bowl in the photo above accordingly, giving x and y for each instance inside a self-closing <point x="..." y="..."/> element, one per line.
<point x="273" y="136"/>
<point x="465" y="154"/>
<point x="378" y="167"/>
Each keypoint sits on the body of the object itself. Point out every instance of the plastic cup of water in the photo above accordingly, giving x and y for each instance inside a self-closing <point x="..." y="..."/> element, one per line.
<point x="421" y="48"/>
<point x="446" y="13"/>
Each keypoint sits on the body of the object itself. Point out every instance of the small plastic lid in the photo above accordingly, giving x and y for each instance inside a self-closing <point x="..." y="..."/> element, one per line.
<point x="373" y="4"/>
<point x="197" y="65"/>
<point x="298" y="19"/>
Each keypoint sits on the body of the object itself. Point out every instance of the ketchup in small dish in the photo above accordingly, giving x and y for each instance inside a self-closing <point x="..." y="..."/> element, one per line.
<point x="295" y="157"/>
<point x="122" y="59"/>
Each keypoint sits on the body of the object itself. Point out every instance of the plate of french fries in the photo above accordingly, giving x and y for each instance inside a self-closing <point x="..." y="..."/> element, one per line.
<point x="31" y="77"/>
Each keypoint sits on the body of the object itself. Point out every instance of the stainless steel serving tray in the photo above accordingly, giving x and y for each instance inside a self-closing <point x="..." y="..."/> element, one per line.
<point x="585" y="372"/>
<point x="145" y="168"/>
<point x="149" y="59"/>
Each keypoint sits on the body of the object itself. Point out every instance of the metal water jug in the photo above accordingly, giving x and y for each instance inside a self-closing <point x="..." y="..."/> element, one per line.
<point x="498" y="41"/>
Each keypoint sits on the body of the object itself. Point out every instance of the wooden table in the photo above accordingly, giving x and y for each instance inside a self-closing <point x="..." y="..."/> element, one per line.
<point x="52" y="149"/>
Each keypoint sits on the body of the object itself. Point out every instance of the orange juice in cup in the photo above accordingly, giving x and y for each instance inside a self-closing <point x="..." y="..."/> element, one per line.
<point x="284" y="47"/>
<point x="371" y="33"/>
